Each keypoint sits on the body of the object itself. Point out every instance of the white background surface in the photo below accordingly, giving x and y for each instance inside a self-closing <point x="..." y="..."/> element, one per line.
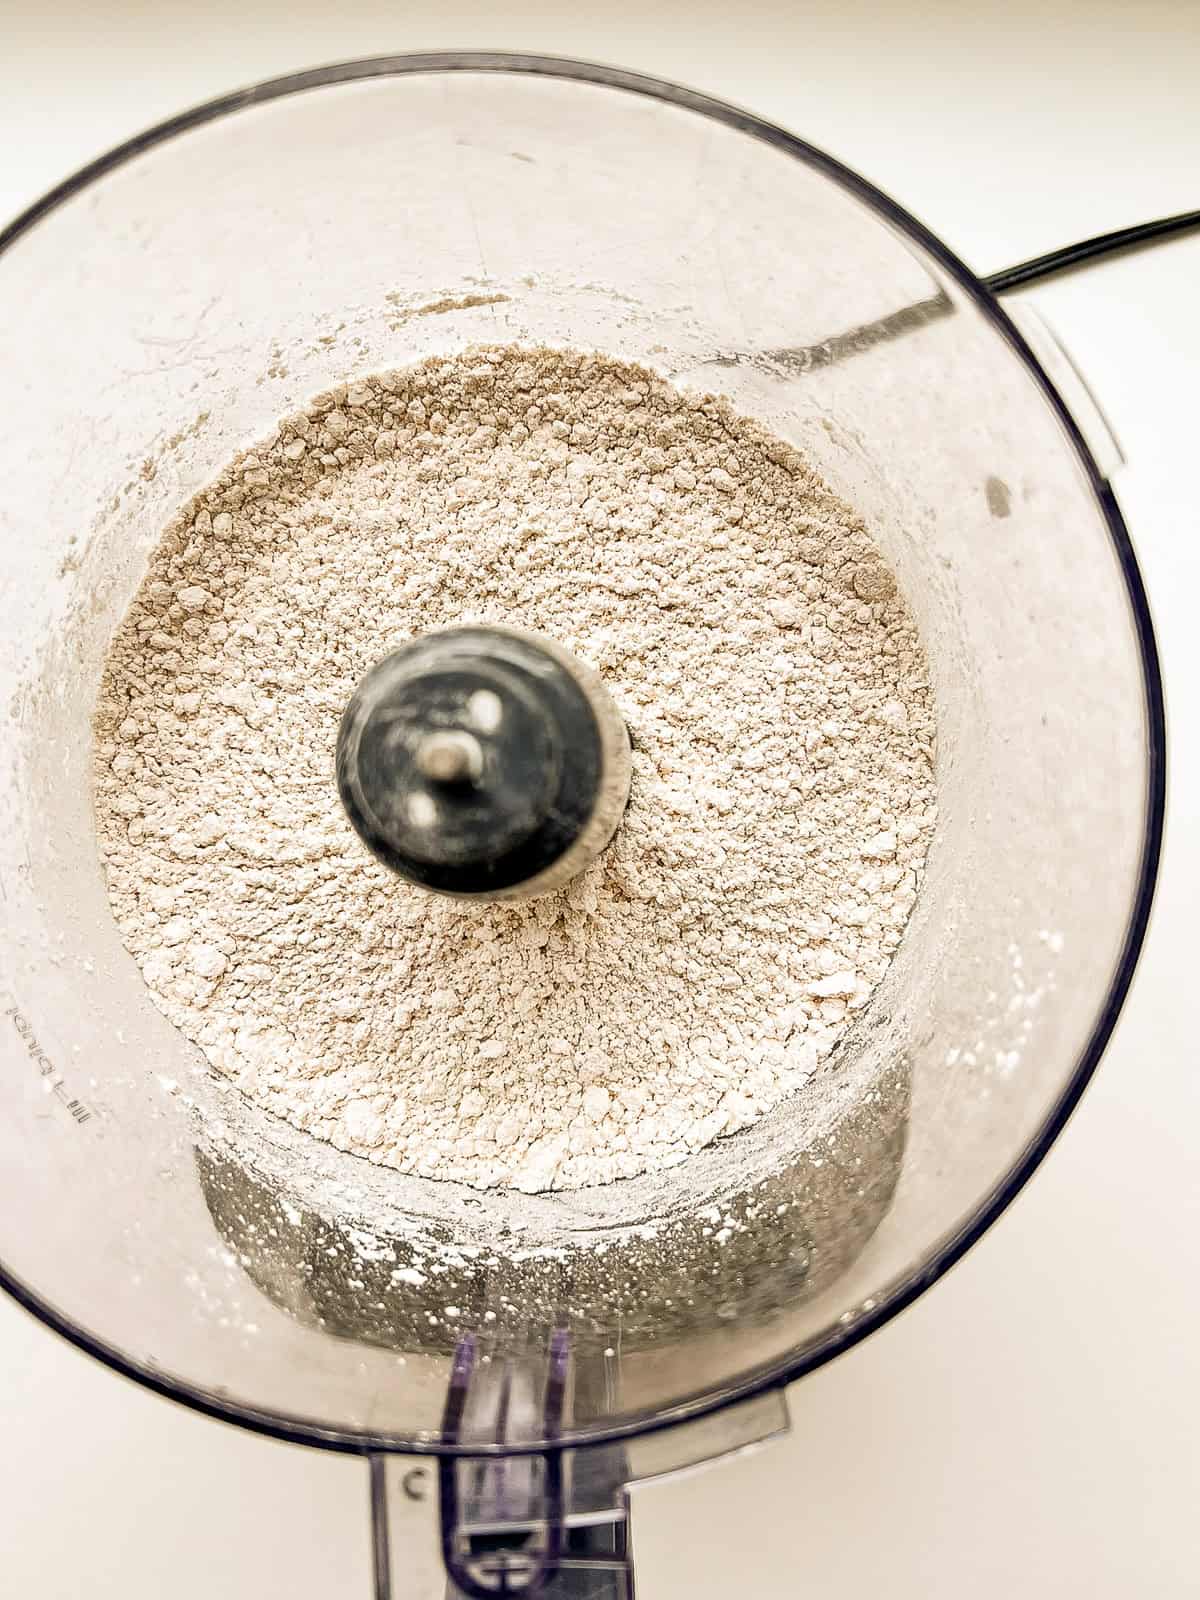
<point x="1031" y="1424"/>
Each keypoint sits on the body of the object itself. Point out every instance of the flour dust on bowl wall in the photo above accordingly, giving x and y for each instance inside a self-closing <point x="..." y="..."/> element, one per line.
<point x="562" y="713"/>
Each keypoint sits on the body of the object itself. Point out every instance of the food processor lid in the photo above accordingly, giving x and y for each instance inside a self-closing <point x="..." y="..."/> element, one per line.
<point x="898" y="1290"/>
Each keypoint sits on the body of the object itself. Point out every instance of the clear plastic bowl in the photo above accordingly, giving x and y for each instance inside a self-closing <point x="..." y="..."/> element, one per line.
<point x="169" y="302"/>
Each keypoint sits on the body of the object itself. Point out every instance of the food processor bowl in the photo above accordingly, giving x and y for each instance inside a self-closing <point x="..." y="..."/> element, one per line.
<point x="163" y="309"/>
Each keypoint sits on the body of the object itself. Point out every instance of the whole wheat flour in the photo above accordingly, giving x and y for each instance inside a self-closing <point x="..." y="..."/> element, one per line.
<point x="782" y="798"/>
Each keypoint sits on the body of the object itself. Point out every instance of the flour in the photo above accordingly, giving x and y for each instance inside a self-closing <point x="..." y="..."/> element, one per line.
<point x="782" y="797"/>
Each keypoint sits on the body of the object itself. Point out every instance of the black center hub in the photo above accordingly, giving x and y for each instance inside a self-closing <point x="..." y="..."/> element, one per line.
<point x="469" y="760"/>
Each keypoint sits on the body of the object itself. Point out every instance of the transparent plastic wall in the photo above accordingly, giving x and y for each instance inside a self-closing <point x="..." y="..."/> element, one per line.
<point x="165" y="314"/>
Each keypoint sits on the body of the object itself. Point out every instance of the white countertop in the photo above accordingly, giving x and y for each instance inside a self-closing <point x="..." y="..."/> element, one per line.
<point x="1031" y="1423"/>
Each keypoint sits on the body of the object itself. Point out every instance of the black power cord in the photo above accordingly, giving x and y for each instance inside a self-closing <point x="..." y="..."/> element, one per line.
<point x="1070" y="258"/>
<point x="1073" y="256"/>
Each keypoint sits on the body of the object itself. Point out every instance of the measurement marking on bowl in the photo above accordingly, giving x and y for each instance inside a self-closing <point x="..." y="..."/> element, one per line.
<point x="54" y="1082"/>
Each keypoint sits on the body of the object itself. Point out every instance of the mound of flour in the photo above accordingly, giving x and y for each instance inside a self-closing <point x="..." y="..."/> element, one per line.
<point x="782" y="799"/>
